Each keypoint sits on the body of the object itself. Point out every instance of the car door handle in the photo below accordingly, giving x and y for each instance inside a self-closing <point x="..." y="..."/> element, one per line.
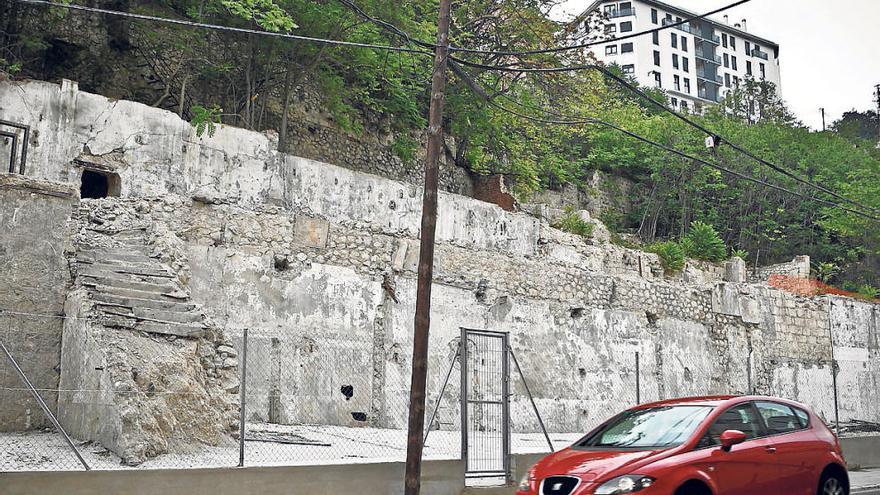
<point x="771" y="450"/>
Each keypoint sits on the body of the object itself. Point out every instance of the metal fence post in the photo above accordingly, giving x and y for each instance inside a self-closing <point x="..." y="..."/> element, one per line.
<point x="463" y="357"/>
<point x="43" y="406"/>
<point x="242" y="392"/>
<point x="833" y="367"/>
<point x="638" y="381"/>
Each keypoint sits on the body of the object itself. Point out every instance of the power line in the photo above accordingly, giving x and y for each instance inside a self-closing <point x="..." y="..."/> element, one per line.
<point x="715" y="136"/>
<point x="217" y="27"/>
<point x="564" y="120"/>
<point x="718" y="138"/>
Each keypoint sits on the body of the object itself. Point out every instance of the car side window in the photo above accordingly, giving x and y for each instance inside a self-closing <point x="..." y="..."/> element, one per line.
<point x="778" y="418"/>
<point x="741" y="417"/>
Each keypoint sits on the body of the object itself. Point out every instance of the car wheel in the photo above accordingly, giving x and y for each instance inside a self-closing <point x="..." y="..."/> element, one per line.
<point x="831" y="484"/>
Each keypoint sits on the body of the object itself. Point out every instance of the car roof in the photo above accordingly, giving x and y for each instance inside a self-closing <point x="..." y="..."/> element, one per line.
<point x="714" y="401"/>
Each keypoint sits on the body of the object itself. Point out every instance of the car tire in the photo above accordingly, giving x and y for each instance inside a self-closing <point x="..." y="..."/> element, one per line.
<point x="832" y="484"/>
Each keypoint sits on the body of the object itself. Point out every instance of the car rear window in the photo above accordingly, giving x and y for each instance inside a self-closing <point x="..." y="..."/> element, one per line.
<point x="803" y="416"/>
<point x="656" y="427"/>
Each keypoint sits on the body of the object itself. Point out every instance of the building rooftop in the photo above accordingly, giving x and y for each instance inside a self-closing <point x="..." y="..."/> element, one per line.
<point x="687" y="13"/>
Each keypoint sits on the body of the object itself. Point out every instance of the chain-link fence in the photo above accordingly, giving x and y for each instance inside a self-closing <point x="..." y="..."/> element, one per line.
<point x="294" y="400"/>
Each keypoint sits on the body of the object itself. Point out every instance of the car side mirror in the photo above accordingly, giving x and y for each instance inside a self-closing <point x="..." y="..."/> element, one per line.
<point x="730" y="438"/>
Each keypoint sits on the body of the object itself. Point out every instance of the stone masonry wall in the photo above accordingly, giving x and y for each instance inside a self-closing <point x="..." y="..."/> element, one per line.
<point x="318" y="263"/>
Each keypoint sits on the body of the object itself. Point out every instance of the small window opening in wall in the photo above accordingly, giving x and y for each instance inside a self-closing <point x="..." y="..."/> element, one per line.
<point x="95" y="184"/>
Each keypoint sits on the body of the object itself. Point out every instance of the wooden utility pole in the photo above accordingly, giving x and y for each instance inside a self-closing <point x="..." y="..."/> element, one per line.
<point x="823" y="118"/>
<point x="415" y="433"/>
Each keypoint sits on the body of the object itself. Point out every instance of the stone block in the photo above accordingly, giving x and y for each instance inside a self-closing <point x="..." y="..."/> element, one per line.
<point x="311" y="232"/>
<point x="735" y="270"/>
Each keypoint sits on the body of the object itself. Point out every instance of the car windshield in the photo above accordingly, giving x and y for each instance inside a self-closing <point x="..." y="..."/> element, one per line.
<point x="656" y="427"/>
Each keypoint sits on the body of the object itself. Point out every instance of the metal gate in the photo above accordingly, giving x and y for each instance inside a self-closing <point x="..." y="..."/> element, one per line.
<point x="485" y="432"/>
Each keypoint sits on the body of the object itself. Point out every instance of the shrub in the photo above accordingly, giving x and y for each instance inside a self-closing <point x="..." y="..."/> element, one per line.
<point x="869" y="291"/>
<point x="671" y="255"/>
<point x="574" y="224"/>
<point x="702" y="242"/>
<point x="739" y="253"/>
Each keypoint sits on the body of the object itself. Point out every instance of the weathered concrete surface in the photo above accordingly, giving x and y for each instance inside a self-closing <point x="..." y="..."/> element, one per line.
<point x="35" y="231"/>
<point x="318" y="262"/>
<point x="438" y="478"/>
<point x="861" y="452"/>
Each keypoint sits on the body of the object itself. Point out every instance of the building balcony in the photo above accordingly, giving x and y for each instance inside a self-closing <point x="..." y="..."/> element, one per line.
<point x="703" y="95"/>
<point x="712" y="59"/>
<point x="612" y="14"/>
<point x="717" y="80"/>
<point x="760" y="54"/>
<point x="684" y="27"/>
<point x="711" y="39"/>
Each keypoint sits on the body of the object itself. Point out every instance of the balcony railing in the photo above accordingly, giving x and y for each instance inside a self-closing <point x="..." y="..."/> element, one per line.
<point x="702" y="76"/>
<point x="715" y="40"/>
<point x="760" y="54"/>
<point x="620" y="13"/>
<point x="684" y="27"/>
<point x="713" y="59"/>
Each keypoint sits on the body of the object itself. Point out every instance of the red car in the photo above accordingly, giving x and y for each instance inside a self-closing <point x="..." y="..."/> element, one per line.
<point x="724" y="445"/>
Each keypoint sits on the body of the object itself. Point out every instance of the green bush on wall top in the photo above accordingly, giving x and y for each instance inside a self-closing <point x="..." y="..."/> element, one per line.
<point x="702" y="242"/>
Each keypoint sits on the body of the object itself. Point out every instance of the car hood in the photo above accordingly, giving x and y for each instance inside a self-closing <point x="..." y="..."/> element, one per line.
<point x="590" y="465"/>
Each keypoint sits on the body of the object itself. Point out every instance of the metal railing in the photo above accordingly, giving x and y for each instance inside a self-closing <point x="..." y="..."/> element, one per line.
<point x="614" y="13"/>
<point x="760" y="54"/>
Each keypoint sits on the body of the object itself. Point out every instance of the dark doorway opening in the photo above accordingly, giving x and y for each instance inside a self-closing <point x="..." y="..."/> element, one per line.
<point x="96" y="185"/>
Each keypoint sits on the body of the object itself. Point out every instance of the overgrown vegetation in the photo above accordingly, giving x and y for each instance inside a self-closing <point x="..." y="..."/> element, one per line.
<point x="572" y="223"/>
<point x="671" y="255"/>
<point x="256" y="80"/>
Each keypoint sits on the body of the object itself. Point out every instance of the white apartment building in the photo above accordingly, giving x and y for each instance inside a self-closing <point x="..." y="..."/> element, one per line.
<point x="696" y="63"/>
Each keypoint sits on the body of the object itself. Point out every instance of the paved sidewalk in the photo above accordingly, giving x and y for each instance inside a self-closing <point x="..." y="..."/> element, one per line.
<point x="865" y="482"/>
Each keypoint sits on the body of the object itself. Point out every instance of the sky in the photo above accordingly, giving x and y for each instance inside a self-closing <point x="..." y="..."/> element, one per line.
<point x="829" y="50"/>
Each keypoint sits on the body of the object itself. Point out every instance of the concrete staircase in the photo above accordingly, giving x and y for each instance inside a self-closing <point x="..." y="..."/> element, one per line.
<point x="131" y="289"/>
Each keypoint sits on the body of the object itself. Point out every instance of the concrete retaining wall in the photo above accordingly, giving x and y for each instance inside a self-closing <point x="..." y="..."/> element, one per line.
<point x="35" y="232"/>
<point x="438" y="478"/>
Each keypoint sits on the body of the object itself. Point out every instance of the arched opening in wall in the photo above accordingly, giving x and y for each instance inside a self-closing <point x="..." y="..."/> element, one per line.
<point x="96" y="184"/>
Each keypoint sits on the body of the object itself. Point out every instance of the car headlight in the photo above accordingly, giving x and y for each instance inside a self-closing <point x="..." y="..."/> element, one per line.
<point x="625" y="484"/>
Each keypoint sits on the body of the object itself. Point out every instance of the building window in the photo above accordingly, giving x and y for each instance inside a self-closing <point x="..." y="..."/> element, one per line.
<point x="687" y="86"/>
<point x="748" y="48"/>
<point x="733" y="62"/>
<point x="629" y="69"/>
<point x="626" y="27"/>
<point x="674" y="61"/>
<point x="610" y="9"/>
<point x="684" y="43"/>
<point x="668" y="17"/>
<point x="656" y="58"/>
<point x="610" y="29"/>
<point x="626" y="48"/>
<point x="727" y="80"/>
<point x="726" y="61"/>
<point x="674" y="102"/>
<point x="611" y="50"/>
<point x="763" y="71"/>
<point x="658" y="81"/>
<point x="654" y="16"/>
<point x="676" y="83"/>
<point x="724" y="39"/>
<point x="684" y="105"/>
<point x="748" y="68"/>
<point x="656" y="38"/>
<point x="756" y="48"/>
<point x="674" y="40"/>
<point x="733" y="43"/>
<point x="736" y="81"/>
<point x="685" y="64"/>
